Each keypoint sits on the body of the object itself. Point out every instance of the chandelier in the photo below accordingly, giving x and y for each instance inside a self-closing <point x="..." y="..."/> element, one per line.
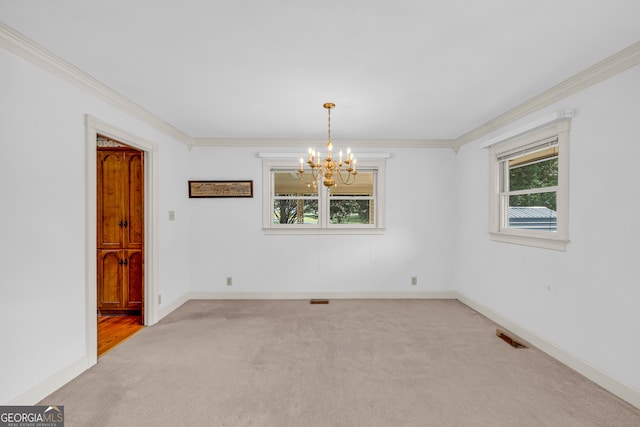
<point x="328" y="169"/>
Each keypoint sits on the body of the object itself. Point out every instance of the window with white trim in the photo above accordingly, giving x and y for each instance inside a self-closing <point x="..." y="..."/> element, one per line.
<point x="298" y="204"/>
<point x="529" y="181"/>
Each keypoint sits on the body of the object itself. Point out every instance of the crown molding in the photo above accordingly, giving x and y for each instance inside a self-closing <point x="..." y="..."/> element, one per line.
<point x="296" y="156"/>
<point x="609" y="67"/>
<point x="41" y="57"/>
<point x="304" y="143"/>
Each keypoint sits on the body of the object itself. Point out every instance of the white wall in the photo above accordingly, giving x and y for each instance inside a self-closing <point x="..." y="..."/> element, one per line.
<point x="586" y="300"/>
<point x="42" y="221"/>
<point x="174" y="244"/>
<point x="228" y="240"/>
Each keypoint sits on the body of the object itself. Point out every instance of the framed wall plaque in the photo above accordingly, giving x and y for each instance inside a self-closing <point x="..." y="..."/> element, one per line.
<point x="205" y="189"/>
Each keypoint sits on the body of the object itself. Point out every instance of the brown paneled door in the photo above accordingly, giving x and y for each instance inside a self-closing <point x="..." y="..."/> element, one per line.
<point x="120" y="229"/>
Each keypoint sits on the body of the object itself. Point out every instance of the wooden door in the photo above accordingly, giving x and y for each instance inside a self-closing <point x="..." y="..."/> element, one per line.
<point x="110" y="280"/>
<point x="120" y="199"/>
<point x="120" y="230"/>
<point x="121" y="274"/>
<point x="133" y="272"/>
<point x="133" y="233"/>
<point x="111" y="210"/>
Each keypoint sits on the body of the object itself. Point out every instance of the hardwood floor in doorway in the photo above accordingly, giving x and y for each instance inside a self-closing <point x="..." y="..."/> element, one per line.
<point x="112" y="330"/>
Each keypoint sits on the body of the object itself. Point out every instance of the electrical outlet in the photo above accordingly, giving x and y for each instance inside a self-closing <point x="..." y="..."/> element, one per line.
<point x="172" y="215"/>
<point x="414" y="280"/>
<point x="159" y="299"/>
<point x="229" y="281"/>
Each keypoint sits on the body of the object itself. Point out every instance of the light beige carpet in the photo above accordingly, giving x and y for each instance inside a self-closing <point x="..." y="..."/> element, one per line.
<point x="348" y="363"/>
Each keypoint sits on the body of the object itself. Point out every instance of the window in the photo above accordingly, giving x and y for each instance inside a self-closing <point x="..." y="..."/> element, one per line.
<point x="295" y="204"/>
<point x="294" y="201"/>
<point x="529" y="181"/>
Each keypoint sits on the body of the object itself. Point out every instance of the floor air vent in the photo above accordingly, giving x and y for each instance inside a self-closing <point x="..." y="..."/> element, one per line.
<point x="512" y="340"/>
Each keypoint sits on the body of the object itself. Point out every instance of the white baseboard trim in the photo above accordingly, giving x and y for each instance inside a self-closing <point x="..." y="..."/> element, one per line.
<point x="167" y="309"/>
<point x="604" y="380"/>
<point x="51" y="384"/>
<point x="325" y="295"/>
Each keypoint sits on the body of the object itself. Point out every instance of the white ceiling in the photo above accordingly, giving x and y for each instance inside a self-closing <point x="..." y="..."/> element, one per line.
<point x="396" y="69"/>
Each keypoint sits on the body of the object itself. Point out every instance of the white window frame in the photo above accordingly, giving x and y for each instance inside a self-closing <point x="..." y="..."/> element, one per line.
<point x="375" y="162"/>
<point x="498" y="216"/>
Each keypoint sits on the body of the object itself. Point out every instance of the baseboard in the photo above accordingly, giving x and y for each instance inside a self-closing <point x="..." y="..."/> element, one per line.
<point x="167" y="309"/>
<point x="51" y="384"/>
<point x="323" y="295"/>
<point x="604" y="380"/>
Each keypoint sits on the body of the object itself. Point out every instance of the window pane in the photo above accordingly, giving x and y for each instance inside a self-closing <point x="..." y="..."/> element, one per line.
<point x="533" y="172"/>
<point x="533" y="211"/>
<point x="287" y="183"/>
<point x="362" y="186"/>
<point x="295" y="211"/>
<point x="351" y="212"/>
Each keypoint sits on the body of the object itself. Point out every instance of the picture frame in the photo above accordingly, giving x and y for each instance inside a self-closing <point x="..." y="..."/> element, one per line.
<point x="222" y="189"/>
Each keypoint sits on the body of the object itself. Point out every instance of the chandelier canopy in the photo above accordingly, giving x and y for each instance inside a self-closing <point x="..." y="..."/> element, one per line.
<point x="328" y="169"/>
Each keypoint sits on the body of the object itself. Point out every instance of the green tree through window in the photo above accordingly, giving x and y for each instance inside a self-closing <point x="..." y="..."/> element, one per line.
<point x="350" y="211"/>
<point x="539" y="174"/>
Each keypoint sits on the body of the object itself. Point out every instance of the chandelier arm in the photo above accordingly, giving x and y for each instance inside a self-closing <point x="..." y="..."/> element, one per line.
<point x="301" y="177"/>
<point x="317" y="173"/>
<point x="349" y="179"/>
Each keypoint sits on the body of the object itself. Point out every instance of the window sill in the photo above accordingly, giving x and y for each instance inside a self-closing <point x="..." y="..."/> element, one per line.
<point x="323" y="231"/>
<point x="537" y="241"/>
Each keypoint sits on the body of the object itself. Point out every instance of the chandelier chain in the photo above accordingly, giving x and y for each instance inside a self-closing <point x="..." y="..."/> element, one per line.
<point x="329" y="123"/>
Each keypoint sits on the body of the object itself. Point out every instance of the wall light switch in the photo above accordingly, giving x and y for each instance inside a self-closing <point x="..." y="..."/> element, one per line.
<point x="172" y="215"/>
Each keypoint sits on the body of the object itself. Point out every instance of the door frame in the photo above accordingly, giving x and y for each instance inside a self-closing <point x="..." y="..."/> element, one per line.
<point x="93" y="127"/>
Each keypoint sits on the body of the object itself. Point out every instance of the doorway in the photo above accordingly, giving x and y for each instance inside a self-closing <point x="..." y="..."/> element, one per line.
<point x="151" y="313"/>
<point x="120" y="241"/>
